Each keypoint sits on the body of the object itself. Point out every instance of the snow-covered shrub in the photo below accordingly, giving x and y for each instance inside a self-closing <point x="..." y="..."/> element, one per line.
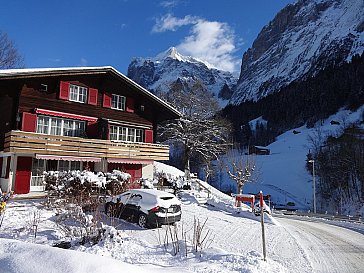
<point x="79" y="227"/>
<point x="83" y="187"/>
<point x="147" y="183"/>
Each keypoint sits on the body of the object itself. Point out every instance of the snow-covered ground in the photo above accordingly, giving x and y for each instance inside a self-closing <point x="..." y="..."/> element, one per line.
<point x="132" y="248"/>
<point x="233" y="242"/>
<point x="283" y="173"/>
<point x="233" y="235"/>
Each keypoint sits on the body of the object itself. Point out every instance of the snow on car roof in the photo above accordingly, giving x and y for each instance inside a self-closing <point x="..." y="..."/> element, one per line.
<point x="157" y="193"/>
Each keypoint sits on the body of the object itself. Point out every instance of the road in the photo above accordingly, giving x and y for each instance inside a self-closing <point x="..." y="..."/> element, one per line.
<point x="299" y="244"/>
<point x="329" y="248"/>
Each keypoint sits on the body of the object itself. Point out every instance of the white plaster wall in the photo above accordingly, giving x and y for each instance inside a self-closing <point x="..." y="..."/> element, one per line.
<point x="4" y="184"/>
<point x="147" y="171"/>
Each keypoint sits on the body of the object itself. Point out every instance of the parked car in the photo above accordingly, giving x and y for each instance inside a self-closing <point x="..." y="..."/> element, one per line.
<point x="257" y="209"/>
<point x="291" y="206"/>
<point x="148" y="207"/>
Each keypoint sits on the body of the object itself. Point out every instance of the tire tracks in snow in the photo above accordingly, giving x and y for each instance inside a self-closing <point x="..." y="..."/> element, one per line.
<point x="329" y="248"/>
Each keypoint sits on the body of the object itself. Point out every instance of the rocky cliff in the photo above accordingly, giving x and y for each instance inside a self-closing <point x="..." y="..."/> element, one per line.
<point x="302" y="39"/>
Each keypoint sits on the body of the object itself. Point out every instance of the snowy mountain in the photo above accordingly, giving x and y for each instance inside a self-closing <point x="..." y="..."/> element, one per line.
<point x="170" y="68"/>
<point x="302" y="39"/>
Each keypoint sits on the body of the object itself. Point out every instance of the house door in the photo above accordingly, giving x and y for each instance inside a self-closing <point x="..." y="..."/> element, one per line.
<point x="23" y="174"/>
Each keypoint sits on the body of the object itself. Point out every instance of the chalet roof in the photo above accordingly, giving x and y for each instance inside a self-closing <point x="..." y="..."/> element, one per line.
<point x="44" y="72"/>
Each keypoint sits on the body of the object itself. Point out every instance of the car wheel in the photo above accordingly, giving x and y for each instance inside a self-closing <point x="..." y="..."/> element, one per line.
<point x="142" y="220"/>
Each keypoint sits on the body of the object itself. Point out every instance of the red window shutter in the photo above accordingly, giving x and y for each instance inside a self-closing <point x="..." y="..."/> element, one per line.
<point x="148" y="136"/>
<point x="130" y="105"/>
<point x="64" y="90"/>
<point x="92" y="96"/>
<point x="107" y="100"/>
<point x="29" y="122"/>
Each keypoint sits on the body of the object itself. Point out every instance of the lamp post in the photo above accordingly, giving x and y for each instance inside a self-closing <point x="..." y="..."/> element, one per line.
<point x="314" y="184"/>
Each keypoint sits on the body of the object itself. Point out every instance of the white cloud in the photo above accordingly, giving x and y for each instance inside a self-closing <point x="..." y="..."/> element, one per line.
<point x="171" y="23"/>
<point x="210" y="41"/>
<point x="169" y="3"/>
<point x="213" y="42"/>
<point x="83" y="62"/>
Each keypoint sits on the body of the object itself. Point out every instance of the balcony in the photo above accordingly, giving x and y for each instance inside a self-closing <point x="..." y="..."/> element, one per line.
<point x="34" y="143"/>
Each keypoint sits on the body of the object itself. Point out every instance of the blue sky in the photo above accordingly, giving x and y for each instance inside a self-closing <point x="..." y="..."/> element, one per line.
<point x="111" y="32"/>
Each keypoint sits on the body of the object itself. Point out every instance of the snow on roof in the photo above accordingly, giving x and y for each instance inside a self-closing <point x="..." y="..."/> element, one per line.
<point x="33" y="72"/>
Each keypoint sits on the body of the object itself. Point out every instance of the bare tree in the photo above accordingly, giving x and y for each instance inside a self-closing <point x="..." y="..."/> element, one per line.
<point x="9" y="55"/>
<point x="198" y="131"/>
<point x="242" y="169"/>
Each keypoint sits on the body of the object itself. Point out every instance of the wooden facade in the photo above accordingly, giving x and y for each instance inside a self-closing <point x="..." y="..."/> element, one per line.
<point x="30" y="94"/>
<point x="34" y="143"/>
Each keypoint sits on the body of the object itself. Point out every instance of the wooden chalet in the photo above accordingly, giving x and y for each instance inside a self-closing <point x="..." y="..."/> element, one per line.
<point x="92" y="118"/>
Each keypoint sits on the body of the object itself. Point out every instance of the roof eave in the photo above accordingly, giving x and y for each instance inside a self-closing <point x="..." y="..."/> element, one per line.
<point x="48" y="72"/>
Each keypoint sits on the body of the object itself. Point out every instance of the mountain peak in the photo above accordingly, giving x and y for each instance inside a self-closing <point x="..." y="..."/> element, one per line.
<point x="170" y="53"/>
<point x="170" y="69"/>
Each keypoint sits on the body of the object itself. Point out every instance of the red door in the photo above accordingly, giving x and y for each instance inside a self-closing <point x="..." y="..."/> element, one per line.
<point x="23" y="174"/>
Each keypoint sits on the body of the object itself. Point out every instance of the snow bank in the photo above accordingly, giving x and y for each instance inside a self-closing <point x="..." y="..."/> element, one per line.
<point x="19" y="256"/>
<point x="164" y="168"/>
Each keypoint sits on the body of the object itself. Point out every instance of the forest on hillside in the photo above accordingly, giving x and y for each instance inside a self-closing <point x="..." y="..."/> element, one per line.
<point x="305" y="101"/>
<point x="339" y="164"/>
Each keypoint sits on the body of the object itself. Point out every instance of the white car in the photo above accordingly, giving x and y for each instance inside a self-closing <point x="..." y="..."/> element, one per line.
<point x="148" y="207"/>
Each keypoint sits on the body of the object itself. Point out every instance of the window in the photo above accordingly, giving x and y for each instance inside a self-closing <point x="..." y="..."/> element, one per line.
<point x="131" y="134"/>
<point x="64" y="165"/>
<point x="121" y="133"/>
<point x="56" y="127"/>
<point x="118" y="102"/>
<point x="38" y="167"/>
<point x="138" y="135"/>
<point x="113" y="133"/>
<point x="78" y="93"/>
<point x="42" y="124"/>
<point x="59" y="126"/>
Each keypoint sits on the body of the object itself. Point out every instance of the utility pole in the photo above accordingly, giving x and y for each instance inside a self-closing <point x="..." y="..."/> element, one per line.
<point x="314" y="184"/>
<point x="262" y="224"/>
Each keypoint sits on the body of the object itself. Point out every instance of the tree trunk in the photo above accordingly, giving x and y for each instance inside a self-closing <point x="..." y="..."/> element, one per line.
<point x="187" y="163"/>
<point x="240" y="188"/>
<point x="187" y="169"/>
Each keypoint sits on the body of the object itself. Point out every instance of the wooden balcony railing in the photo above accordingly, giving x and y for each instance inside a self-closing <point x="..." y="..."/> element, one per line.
<point x="25" y="142"/>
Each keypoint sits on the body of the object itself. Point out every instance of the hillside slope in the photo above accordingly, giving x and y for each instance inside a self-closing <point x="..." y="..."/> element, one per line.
<point x="283" y="173"/>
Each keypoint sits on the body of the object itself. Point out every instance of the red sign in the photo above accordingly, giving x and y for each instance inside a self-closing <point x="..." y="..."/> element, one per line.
<point x="261" y="199"/>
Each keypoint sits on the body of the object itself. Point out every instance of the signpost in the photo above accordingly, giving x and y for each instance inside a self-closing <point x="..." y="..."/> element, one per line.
<point x="244" y="198"/>
<point x="262" y="223"/>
